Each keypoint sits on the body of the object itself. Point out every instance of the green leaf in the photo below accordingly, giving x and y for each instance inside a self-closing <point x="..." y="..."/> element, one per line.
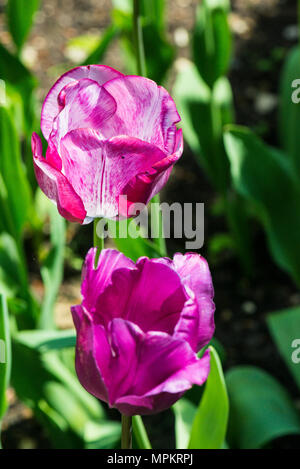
<point x="10" y="272"/>
<point x="210" y="423"/>
<point x="140" y="433"/>
<point x="185" y="412"/>
<point x="97" y="54"/>
<point x="132" y="246"/>
<point x="260" y="409"/>
<point x="5" y="356"/>
<point x="154" y="11"/>
<point x="284" y="327"/>
<point x="204" y="112"/>
<point x="289" y="111"/>
<point x="44" y="383"/>
<point x="16" y="193"/>
<point x="52" y="268"/>
<point x="45" y="341"/>
<point x="103" y="435"/>
<point x="258" y="171"/>
<point x="20" y="15"/>
<point x="15" y="74"/>
<point x="212" y="40"/>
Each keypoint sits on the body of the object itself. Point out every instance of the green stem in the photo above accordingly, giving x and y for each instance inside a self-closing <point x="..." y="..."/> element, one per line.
<point x="157" y="221"/>
<point x="140" y="433"/>
<point x="126" y="441"/>
<point x="98" y="241"/>
<point x="138" y="39"/>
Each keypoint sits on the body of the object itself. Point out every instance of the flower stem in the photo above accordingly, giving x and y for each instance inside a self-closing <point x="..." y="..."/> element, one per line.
<point x="157" y="221"/>
<point x="126" y="441"/>
<point x="138" y="39"/>
<point x="98" y="241"/>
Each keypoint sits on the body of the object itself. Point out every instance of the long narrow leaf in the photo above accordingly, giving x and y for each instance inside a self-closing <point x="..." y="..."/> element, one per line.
<point x="210" y="424"/>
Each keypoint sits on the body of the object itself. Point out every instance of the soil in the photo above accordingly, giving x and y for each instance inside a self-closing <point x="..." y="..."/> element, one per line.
<point x="264" y="33"/>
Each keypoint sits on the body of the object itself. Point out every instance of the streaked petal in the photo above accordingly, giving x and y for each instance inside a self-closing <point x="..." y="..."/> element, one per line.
<point x="99" y="73"/>
<point x="85" y="104"/>
<point x="144" y="186"/>
<point x="100" y="170"/>
<point x="144" y="110"/>
<point x="55" y="185"/>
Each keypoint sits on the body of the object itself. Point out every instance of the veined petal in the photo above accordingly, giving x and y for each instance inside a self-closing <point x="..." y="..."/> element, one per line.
<point x="107" y="166"/>
<point x="99" y="73"/>
<point x="55" y="185"/>
<point x="143" y="187"/>
<point x="85" y="104"/>
<point x="144" y="110"/>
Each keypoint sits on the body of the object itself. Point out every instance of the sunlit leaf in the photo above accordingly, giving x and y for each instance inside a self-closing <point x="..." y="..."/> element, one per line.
<point x="210" y="423"/>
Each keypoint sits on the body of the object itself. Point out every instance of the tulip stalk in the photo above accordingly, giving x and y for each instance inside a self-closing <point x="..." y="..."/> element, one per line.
<point x="126" y="440"/>
<point x="98" y="241"/>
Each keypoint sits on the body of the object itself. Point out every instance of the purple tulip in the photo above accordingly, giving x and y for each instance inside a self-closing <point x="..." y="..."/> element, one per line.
<point x="139" y="328"/>
<point x="108" y="135"/>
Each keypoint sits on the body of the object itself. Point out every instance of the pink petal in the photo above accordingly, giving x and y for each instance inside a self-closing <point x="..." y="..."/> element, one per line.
<point x="55" y="185"/>
<point x="99" y="73"/>
<point x="85" y="104"/>
<point x="143" y="187"/>
<point x="107" y="165"/>
<point x="144" y="110"/>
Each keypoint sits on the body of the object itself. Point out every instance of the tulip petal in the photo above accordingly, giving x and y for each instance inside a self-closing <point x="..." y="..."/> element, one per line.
<point x="143" y="187"/>
<point x="99" y="73"/>
<point x="144" y="110"/>
<point x="88" y="352"/>
<point x="132" y="295"/>
<point x="55" y="185"/>
<point x="85" y="104"/>
<point x="94" y="281"/>
<point x="157" y="400"/>
<point x="143" y="366"/>
<point x="195" y="274"/>
<point x="108" y="166"/>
